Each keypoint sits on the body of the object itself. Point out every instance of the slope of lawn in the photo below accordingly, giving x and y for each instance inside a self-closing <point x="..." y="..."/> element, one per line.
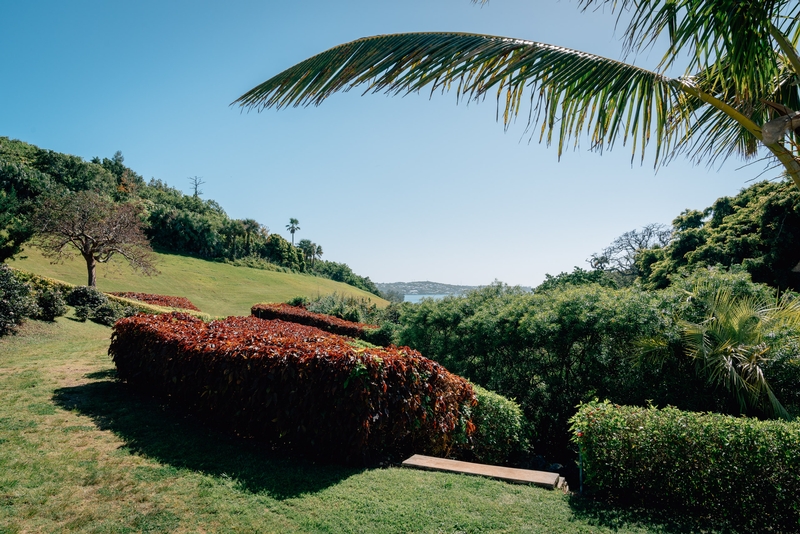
<point x="216" y="288"/>
<point x="80" y="453"/>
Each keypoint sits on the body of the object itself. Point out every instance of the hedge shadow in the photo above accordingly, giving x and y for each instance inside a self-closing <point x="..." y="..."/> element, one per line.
<point x="177" y="439"/>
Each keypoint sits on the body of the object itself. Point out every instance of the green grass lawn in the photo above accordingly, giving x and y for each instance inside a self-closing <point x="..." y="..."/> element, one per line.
<point x="80" y="453"/>
<point x="216" y="288"/>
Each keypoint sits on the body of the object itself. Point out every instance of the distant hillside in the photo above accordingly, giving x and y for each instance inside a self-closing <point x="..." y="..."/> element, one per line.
<point x="216" y="288"/>
<point x="424" y="288"/>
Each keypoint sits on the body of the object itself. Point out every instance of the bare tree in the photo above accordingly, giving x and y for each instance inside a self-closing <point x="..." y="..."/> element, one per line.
<point x="96" y="227"/>
<point x="196" y="182"/>
<point x="620" y="256"/>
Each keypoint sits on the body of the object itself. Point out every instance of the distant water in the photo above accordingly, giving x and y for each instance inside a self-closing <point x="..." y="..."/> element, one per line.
<point x="417" y="298"/>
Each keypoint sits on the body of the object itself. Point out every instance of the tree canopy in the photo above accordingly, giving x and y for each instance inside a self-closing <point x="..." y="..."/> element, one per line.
<point x="95" y="227"/>
<point x="758" y="229"/>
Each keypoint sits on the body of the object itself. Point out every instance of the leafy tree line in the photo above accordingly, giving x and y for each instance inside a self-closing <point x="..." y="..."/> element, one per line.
<point x="758" y="229"/>
<point x="712" y="341"/>
<point x="174" y="221"/>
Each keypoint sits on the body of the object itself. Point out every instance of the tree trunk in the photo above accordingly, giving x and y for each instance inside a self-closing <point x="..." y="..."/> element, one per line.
<point x="91" y="265"/>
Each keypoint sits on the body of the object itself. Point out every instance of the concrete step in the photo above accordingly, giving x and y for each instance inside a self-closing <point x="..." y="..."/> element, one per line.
<point x="508" y="474"/>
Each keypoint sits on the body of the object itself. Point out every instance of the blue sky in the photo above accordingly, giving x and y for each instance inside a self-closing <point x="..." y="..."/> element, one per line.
<point x="401" y="189"/>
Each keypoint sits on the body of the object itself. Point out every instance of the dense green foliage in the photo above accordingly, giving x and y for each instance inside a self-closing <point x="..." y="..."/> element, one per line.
<point x="16" y="301"/>
<point x="92" y="304"/>
<point x="341" y="272"/>
<point x="51" y="304"/>
<point x="499" y="432"/>
<point x="759" y="229"/>
<point x="563" y="345"/>
<point x="86" y="296"/>
<point x="738" y="471"/>
<point x="25" y="295"/>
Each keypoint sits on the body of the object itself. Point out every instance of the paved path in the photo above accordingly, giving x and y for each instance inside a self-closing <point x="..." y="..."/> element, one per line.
<point x="509" y="474"/>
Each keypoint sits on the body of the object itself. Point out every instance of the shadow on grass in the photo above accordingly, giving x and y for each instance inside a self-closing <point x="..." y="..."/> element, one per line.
<point x="152" y="430"/>
<point x="617" y="516"/>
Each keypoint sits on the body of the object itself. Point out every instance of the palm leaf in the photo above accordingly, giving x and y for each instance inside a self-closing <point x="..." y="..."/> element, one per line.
<point x="709" y="32"/>
<point x="568" y="93"/>
<point x="730" y="347"/>
<point x="713" y="135"/>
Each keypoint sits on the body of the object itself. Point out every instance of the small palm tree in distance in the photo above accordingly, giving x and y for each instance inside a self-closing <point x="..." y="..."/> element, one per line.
<point x="292" y="227"/>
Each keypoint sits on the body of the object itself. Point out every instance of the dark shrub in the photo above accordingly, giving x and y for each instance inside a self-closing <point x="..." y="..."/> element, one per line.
<point x="51" y="304"/>
<point x="82" y="312"/>
<point x="86" y="296"/>
<point x="16" y="302"/>
<point x="110" y="312"/>
<point x="740" y="470"/>
<point x="299" y="302"/>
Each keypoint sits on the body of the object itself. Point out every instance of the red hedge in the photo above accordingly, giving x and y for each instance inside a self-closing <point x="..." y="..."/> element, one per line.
<point x="299" y="315"/>
<point x="294" y="385"/>
<point x="159" y="300"/>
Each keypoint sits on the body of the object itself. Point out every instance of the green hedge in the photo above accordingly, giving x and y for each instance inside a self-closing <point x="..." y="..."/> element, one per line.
<point x="499" y="429"/>
<point x="742" y="471"/>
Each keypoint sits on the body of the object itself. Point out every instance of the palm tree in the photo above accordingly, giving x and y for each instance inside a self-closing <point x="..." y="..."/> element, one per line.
<point x="739" y="89"/>
<point x="292" y="227"/>
<point x="251" y="227"/>
<point x="307" y="248"/>
<point x="318" y="253"/>
<point x="731" y="346"/>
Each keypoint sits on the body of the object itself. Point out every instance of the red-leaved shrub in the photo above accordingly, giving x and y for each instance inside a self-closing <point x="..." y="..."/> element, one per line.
<point x="299" y="315"/>
<point x="159" y="300"/>
<point x="295" y="386"/>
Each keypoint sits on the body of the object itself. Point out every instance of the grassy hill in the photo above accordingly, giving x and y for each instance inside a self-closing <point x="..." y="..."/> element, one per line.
<point x="216" y="288"/>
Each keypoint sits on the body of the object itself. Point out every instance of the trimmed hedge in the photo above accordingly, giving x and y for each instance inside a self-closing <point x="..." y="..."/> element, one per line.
<point x="295" y="386"/>
<point x="498" y="429"/>
<point x="159" y="300"/>
<point x="41" y="283"/>
<point x="741" y="471"/>
<point x="299" y="315"/>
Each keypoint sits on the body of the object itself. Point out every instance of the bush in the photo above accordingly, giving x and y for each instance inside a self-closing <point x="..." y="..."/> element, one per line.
<point x="499" y="428"/>
<point x="16" y="302"/>
<point x="110" y="312"/>
<point x="294" y="386"/>
<point x="86" y="296"/>
<point x="741" y="470"/>
<point x="82" y="313"/>
<point x="357" y="310"/>
<point x="41" y="283"/>
<point x="51" y="304"/>
<point x="159" y="300"/>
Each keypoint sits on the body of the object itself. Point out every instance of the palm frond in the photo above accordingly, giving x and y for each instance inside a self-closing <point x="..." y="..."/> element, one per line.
<point x="651" y="352"/>
<point x="569" y="93"/>
<point x="730" y="347"/>
<point x="709" y="31"/>
<point x="714" y="136"/>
